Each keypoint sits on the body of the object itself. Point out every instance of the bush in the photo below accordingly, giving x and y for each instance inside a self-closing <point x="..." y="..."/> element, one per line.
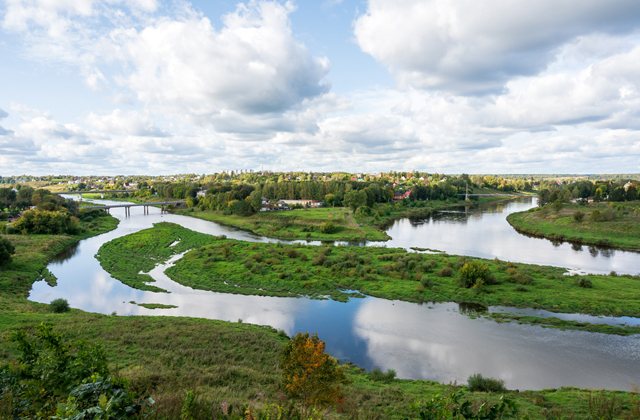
<point x="59" y="306"/>
<point x="521" y="288"/>
<point x="70" y="380"/>
<point x="557" y="205"/>
<point x="609" y="214"/>
<point x="376" y="375"/>
<point x="6" y="251"/>
<point x="478" y="383"/>
<point x="584" y="282"/>
<point x="328" y="228"/>
<point x="596" y="216"/>
<point x="473" y="271"/>
<point x="445" y="272"/>
<point x="578" y="216"/>
<point x="9" y="230"/>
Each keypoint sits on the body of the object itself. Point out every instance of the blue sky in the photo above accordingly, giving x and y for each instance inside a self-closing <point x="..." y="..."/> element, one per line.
<point x="483" y="86"/>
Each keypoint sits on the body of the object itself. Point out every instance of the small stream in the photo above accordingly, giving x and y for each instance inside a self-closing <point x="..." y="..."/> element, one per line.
<point x="420" y="341"/>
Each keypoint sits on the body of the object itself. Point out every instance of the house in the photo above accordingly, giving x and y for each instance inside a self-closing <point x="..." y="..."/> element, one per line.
<point x="401" y="196"/>
<point x="627" y="185"/>
<point x="305" y="203"/>
<point x="201" y="193"/>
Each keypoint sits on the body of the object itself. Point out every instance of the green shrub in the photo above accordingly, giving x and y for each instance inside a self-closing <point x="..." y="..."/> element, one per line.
<point x="521" y="288"/>
<point x="478" y="383"/>
<point x="59" y="306"/>
<point x="10" y="230"/>
<point x="596" y="216"/>
<point x="524" y="279"/>
<point x="66" y="380"/>
<point x="445" y="272"/>
<point x="584" y="282"/>
<point x="609" y="214"/>
<point x="328" y="228"/>
<point x="473" y="271"/>
<point x="376" y="375"/>
<point x="578" y="216"/>
<point x="426" y="281"/>
<point x="6" y="251"/>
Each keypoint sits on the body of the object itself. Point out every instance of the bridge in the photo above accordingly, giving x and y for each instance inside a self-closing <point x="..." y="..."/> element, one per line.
<point x="127" y="207"/>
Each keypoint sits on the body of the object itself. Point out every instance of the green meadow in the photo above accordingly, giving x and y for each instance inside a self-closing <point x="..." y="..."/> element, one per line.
<point x="339" y="272"/>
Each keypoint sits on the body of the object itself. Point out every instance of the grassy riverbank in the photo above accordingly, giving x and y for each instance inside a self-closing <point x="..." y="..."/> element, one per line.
<point x="224" y="265"/>
<point x="306" y="224"/>
<point x="618" y="226"/>
<point x="237" y="364"/>
<point x="33" y="253"/>
<point x="224" y="362"/>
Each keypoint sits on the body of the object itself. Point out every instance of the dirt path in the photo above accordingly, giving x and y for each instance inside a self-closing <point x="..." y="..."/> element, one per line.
<point x="351" y="222"/>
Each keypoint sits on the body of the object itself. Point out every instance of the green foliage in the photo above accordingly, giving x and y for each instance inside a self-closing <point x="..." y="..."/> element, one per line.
<point x="59" y="306"/>
<point x="478" y="383"/>
<point x="328" y="228"/>
<point x="377" y="375"/>
<point x="596" y="216"/>
<point x="355" y="199"/>
<point x="584" y="282"/>
<point x="558" y="205"/>
<point x="47" y="222"/>
<point x="70" y="380"/>
<point x="439" y="407"/>
<point x="473" y="272"/>
<point x="6" y="251"/>
<point x="578" y="216"/>
<point x="311" y="375"/>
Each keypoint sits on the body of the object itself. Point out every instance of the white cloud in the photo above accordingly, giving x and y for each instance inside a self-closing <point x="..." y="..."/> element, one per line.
<point x="253" y="65"/>
<point x="470" y="46"/>
<point x="123" y="122"/>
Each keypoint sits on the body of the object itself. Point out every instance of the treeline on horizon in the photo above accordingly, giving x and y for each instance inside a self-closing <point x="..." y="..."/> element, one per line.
<point x="220" y="193"/>
<point x="608" y="190"/>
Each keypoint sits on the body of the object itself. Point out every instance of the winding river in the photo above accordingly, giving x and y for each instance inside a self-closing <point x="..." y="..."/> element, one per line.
<point x="420" y="341"/>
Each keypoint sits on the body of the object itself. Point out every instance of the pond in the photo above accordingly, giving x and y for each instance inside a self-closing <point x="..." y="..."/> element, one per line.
<point x="428" y="341"/>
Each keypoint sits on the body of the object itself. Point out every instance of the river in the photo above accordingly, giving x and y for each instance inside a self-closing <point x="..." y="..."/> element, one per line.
<point x="419" y="341"/>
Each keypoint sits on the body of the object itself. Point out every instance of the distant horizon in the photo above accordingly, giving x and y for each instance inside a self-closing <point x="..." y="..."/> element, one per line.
<point x="326" y="172"/>
<point x="159" y="86"/>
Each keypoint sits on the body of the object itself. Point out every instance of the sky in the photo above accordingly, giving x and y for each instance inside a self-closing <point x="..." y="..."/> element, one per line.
<point x="449" y="86"/>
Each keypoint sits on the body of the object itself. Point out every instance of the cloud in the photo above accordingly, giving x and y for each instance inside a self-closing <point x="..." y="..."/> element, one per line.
<point x="475" y="47"/>
<point x="122" y="122"/>
<point x="4" y="131"/>
<point x="253" y="65"/>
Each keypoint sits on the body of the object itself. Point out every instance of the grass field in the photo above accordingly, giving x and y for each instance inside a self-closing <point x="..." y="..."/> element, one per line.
<point x="623" y="231"/>
<point x="230" y="266"/>
<point x="226" y="362"/>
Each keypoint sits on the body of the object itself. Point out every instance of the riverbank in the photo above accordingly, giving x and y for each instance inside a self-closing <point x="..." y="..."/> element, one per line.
<point x="33" y="253"/>
<point x="232" y="363"/>
<point x="306" y="224"/>
<point x="230" y="266"/>
<point x="301" y="224"/>
<point x="617" y="226"/>
<point x="237" y="364"/>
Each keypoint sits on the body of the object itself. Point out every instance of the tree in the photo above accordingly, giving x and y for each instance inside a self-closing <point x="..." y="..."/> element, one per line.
<point x="311" y="375"/>
<point x="557" y="205"/>
<point x="6" y="251"/>
<point x="330" y="199"/>
<point x="255" y="199"/>
<point x="355" y="199"/>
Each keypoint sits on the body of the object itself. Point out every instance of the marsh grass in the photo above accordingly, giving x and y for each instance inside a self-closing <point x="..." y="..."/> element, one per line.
<point x="224" y="265"/>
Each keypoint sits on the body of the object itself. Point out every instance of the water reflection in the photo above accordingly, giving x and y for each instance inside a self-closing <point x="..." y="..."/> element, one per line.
<point x="429" y="341"/>
<point x="66" y="253"/>
<point x="483" y="231"/>
<point x="439" y="344"/>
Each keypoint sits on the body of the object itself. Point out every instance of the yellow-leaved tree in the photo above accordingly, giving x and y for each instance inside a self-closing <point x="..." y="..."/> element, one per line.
<point x="310" y="375"/>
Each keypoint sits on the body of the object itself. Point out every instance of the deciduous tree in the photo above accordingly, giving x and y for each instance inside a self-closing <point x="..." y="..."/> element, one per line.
<point x="311" y="375"/>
